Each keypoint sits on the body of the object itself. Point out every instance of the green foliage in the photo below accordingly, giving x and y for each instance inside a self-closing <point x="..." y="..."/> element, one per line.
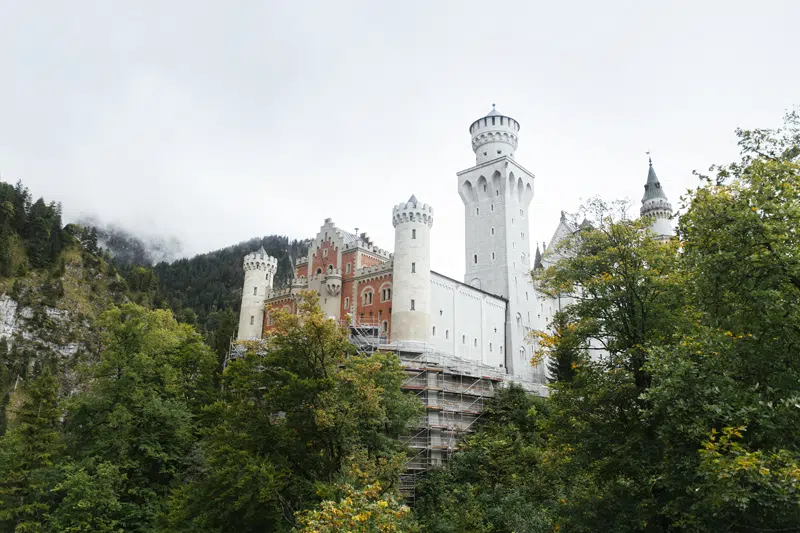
<point x="688" y="419"/>
<point x="28" y="451"/>
<point x="496" y="481"/>
<point x="293" y="414"/>
<point x="366" y="510"/>
<point x="137" y="415"/>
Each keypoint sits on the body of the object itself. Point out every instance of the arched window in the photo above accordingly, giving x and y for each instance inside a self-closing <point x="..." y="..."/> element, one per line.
<point x="319" y="271"/>
<point x="386" y="292"/>
<point x="475" y="258"/>
<point x="330" y="269"/>
<point x="492" y="231"/>
<point x="475" y="342"/>
<point x="522" y="353"/>
<point x="366" y="296"/>
<point x="434" y="331"/>
<point x="347" y="268"/>
<point x="519" y="319"/>
<point x="447" y="334"/>
<point x="492" y="256"/>
<point x="385" y="327"/>
<point x="463" y="339"/>
<point x="490" y="346"/>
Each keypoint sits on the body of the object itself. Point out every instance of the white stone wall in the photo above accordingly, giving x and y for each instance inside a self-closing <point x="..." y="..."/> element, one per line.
<point x="469" y="323"/>
<point x="259" y="274"/>
<point x="496" y="196"/>
<point x="411" y="276"/>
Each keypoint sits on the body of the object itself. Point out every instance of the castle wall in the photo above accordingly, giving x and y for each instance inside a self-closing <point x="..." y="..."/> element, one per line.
<point x="466" y="322"/>
<point x="380" y="310"/>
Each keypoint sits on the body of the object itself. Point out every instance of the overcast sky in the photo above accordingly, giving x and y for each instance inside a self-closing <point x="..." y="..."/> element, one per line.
<point x="219" y="121"/>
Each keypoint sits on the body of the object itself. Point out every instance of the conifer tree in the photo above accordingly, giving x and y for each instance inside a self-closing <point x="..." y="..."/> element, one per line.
<point x="28" y="452"/>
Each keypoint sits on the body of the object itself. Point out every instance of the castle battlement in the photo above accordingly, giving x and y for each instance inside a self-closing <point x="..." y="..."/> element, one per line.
<point x="493" y="136"/>
<point x="375" y="269"/>
<point x="301" y="261"/>
<point x="260" y="261"/>
<point x="276" y="293"/>
<point x="412" y="211"/>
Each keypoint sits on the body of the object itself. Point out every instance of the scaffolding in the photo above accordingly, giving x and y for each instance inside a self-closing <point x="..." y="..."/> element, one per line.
<point x="454" y="394"/>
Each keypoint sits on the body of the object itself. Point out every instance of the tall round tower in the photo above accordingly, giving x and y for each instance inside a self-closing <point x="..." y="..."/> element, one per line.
<point x="655" y="206"/>
<point x="411" y="275"/>
<point x="259" y="273"/>
<point x="493" y="136"/>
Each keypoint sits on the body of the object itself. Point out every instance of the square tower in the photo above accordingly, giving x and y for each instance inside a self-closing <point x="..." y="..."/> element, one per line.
<point x="496" y="193"/>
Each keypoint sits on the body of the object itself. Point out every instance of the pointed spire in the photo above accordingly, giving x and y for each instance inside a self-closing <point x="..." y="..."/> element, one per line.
<point x="412" y="200"/>
<point x="652" y="189"/>
<point x="537" y="259"/>
<point x="493" y="112"/>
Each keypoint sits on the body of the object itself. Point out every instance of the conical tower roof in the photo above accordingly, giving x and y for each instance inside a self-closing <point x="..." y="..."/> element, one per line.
<point x="652" y="189"/>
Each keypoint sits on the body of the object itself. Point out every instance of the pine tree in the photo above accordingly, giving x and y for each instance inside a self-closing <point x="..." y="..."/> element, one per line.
<point x="28" y="452"/>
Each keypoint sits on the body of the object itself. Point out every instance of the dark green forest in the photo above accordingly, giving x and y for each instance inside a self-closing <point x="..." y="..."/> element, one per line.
<point x="117" y="415"/>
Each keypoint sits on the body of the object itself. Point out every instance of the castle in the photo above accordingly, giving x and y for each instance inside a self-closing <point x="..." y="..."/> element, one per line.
<point x="485" y="320"/>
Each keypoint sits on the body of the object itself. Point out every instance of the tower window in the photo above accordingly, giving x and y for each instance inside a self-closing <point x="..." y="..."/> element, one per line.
<point x="447" y="334"/>
<point x="512" y="220"/>
<point x="492" y="121"/>
<point x="475" y="258"/>
<point x="522" y="235"/>
<point x="255" y="291"/>
<point x="325" y="252"/>
<point x="492" y="231"/>
<point x="477" y="210"/>
<point x="347" y="268"/>
<point x="412" y="305"/>
<point x="463" y="339"/>
<point x="497" y="192"/>
<point x="413" y="268"/>
<point x="492" y="207"/>
<point x="434" y="331"/>
<point x="347" y="302"/>
<point x="475" y="342"/>
<point x="413" y="234"/>
<point x="252" y="320"/>
<point x="385" y="326"/>
<point x="490" y="346"/>
<point x="492" y="256"/>
<point x="513" y="245"/>
<point x="526" y="296"/>
<point x="521" y="213"/>
<point x="484" y="188"/>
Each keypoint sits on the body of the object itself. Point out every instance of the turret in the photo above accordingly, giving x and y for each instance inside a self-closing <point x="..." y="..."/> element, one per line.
<point x="259" y="274"/>
<point x="655" y="206"/>
<point x="493" y="136"/>
<point x="411" y="274"/>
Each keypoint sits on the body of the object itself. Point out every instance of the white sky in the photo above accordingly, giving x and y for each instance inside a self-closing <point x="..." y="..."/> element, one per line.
<point x="219" y="121"/>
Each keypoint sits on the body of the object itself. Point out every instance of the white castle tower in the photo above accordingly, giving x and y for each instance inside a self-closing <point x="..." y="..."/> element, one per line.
<point x="411" y="274"/>
<point x="496" y="193"/>
<point x="259" y="274"/>
<point x="655" y="206"/>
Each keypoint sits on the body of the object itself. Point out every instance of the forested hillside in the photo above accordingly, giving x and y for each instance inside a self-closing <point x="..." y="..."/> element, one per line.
<point x="204" y="290"/>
